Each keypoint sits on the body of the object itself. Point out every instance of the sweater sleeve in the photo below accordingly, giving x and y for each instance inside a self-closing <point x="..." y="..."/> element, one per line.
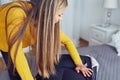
<point x="71" y="48"/>
<point x="15" y="19"/>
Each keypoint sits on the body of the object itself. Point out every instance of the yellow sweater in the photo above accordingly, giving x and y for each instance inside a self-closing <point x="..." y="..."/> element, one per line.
<point x="18" y="15"/>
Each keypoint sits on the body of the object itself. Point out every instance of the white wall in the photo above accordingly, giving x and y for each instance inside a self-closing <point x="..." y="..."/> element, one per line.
<point x="81" y="14"/>
<point x="93" y="13"/>
<point x="115" y="18"/>
<point x="71" y="20"/>
<point x="78" y="11"/>
<point x="67" y="22"/>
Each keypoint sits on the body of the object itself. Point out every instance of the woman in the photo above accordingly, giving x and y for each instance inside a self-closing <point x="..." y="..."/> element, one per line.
<point x="26" y="24"/>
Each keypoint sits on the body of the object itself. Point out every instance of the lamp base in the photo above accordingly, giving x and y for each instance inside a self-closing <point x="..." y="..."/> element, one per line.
<point x="108" y="18"/>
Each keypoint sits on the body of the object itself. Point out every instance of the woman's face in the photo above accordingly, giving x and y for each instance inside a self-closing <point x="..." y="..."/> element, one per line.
<point x="58" y="15"/>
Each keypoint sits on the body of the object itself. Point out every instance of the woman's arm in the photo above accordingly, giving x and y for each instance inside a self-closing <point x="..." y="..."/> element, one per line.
<point x="75" y="55"/>
<point x="15" y="19"/>
<point x="21" y="63"/>
<point x="71" y="48"/>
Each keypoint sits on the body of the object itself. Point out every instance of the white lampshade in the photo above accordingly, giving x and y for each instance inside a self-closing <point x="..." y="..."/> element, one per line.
<point x="111" y="4"/>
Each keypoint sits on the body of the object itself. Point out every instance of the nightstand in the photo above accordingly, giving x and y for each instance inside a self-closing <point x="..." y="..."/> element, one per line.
<point x="100" y="34"/>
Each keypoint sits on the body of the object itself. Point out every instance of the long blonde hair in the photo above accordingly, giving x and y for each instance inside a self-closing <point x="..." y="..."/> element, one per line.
<point x="47" y="36"/>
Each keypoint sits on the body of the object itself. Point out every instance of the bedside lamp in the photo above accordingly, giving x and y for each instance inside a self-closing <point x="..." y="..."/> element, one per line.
<point x="109" y="5"/>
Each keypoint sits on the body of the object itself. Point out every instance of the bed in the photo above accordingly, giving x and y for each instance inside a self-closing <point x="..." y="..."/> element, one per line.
<point x="108" y="59"/>
<point x="105" y="55"/>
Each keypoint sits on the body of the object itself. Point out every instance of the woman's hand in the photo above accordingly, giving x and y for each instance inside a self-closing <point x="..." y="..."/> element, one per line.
<point x="87" y="72"/>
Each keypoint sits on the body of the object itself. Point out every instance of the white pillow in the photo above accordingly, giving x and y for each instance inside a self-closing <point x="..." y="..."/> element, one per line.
<point x="116" y="41"/>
